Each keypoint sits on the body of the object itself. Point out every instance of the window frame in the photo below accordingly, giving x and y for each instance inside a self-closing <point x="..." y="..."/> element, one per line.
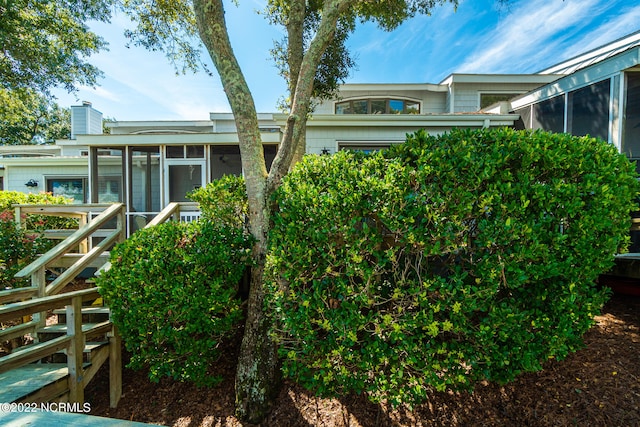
<point x="50" y="181"/>
<point x="347" y="106"/>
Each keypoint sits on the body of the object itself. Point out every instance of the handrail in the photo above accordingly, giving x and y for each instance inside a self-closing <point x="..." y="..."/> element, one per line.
<point x="73" y="342"/>
<point x="18" y="294"/>
<point x="173" y="209"/>
<point x="77" y="267"/>
<point x="37" y="352"/>
<point x="22" y="308"/>
<point x="59" y="210"/>
<point x="72" y="241"/>
<point x="170" y="210"/>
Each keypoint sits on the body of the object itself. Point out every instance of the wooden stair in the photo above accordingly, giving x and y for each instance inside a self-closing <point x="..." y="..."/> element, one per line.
<point x="93" y="317"/>
<point x="65" y="357"/>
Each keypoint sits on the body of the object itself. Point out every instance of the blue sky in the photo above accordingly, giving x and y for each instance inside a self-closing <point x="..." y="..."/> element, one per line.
<point x="480" y="37"/>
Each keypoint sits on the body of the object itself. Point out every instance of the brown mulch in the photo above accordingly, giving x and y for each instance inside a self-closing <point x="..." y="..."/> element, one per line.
<point x="597" y="386"/>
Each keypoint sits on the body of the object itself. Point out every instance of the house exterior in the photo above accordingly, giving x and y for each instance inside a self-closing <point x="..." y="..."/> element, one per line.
<point x="147" y="164"/>
<point x="598" y="95"/>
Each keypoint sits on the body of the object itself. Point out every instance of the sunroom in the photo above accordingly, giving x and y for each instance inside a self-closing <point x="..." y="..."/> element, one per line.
<point x="147" y="172"/>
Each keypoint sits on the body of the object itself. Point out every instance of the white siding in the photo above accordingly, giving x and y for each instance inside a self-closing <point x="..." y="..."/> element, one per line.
<point x="17" y="176"/>
<point x="466" y="96"/>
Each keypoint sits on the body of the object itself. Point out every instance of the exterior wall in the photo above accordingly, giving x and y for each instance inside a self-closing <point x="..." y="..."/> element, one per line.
<point x="16" y="175"/>
<point x="323" y="136"/>
<point x="160" y="127"/>
<point x="433" y="98"/>
<point x="466" y="96"/>
<point x="328" y="137"/>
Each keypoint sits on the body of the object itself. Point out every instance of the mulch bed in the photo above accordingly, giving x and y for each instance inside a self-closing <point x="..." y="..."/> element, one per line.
<point x="597" y="386"/>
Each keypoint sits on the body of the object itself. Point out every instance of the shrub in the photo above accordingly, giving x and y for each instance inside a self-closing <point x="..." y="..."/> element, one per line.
<point x="223" y="200"/>
<point x="18" y="248"/>
<point x="444" y="261"/>
<point x="171" y="289"/>
<point x="38" y="222"/>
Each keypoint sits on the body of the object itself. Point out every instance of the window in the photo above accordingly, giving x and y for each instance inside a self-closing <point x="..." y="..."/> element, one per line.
<point x="549" y="115"/>
<point x="631" y="125"/>
<point x="588" y="111"/>
<point x="108" y="166"/>
<point x="225" y="159"/>
<point x="487" y="99"/>
<point x="144" y="179"/>
<point x="378" y="106"/>
<point x="109" y="189"/>
<point x="185" y="151"/>
<point x="70" y="187"/>
<point x="366" y="146"/>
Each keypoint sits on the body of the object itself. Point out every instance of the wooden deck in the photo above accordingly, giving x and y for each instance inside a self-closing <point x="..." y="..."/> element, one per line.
<point x="22" y="382"/>
<point x="84" y="335"/>
<point x="60" y="418"/>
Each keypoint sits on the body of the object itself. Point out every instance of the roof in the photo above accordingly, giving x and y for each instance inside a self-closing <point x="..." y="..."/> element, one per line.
<point x="497" y="78"/>
<point x="595" y="55"/>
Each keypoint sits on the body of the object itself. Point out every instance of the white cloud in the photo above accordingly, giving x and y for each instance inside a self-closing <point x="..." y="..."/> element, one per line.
<point x="528" y="34"/>
<point x="625" y="22"/>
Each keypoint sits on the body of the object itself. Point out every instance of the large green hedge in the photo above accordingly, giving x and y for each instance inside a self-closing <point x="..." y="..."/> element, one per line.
<point x="172" y="292"/>
<point x="445" y="260"/>
<point x="223" y="201"/>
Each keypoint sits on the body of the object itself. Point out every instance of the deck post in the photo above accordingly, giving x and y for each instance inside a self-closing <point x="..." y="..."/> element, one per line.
<point x="38" y="281"/>
<point x="122" y="224"/>
<point x="75" y="350"/>
<point x="115" y="367"/>
<point x="83" y="247"/>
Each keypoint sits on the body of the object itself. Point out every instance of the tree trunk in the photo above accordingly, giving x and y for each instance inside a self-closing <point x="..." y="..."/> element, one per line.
<point x="258" y="374"/>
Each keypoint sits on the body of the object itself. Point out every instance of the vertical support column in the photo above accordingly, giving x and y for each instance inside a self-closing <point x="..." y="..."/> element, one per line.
<point x="84" y="245"/>
<point x="176" y="212"/>
<point x="39" y="282"/>
<point x="122" y="224"/>
<point x="74" y="350"/>
<point x="18" y="216"/>
<point x="115" y="367"/>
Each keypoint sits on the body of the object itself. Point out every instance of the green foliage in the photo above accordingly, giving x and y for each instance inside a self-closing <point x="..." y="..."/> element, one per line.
<point x="223" y="201"/>
<point x="444" y="261"/>
<point x="168" y="26"/>
<point x="38" y="222"/>
<point x="45" y="44"/>
<point x="27" y="117"/>
<point x="171" y="289"/>
<point x="18" y="248"/>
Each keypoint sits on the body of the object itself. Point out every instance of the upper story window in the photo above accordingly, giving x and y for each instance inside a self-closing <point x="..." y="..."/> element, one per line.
<point x="378" y="106"/>
<point x="487" y="99"/>
<point x="185" y="151"/>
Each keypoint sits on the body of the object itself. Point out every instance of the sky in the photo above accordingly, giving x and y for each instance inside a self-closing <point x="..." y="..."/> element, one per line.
<point x="480" y="36"/>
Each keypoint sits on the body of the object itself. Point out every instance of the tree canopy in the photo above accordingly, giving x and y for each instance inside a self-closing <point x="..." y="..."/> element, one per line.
<point x="316" y="32"/>
<point x="28" y="117"/>
<point x="46" y="44"/>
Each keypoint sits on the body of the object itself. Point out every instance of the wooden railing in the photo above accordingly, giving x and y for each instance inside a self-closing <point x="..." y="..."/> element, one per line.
<point x="73" y="342"/>
<point x="77" y="239"/>
<point x="174" y="211"/>
<point x="75" y="253"/>
<point x="177" y="211"/>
